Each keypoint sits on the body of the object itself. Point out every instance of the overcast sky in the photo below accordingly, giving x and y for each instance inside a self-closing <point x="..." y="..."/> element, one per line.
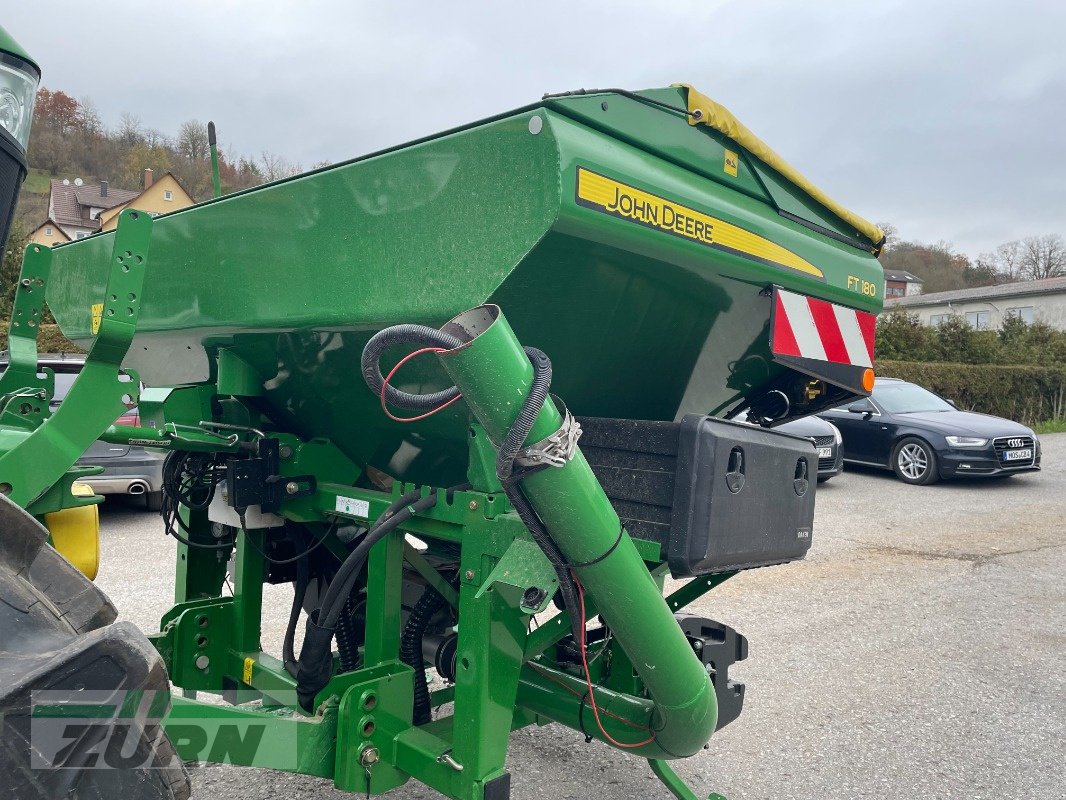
<point x="947" y="119"/>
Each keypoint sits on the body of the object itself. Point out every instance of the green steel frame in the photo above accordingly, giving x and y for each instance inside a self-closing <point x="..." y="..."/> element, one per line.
<point x="360" y="734"/>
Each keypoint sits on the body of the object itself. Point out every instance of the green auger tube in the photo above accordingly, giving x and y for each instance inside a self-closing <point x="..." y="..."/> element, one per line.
<point x="494" y="375"/>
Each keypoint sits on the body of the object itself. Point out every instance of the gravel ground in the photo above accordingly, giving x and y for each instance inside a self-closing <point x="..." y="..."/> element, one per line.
<point x="917" y="652"/>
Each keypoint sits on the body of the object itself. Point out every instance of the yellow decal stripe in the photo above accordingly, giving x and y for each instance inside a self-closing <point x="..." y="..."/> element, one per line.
<point x="627" y="202"/>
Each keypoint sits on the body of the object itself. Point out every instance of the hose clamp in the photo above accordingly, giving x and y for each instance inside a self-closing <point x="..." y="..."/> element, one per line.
<point x="555" y="451"/>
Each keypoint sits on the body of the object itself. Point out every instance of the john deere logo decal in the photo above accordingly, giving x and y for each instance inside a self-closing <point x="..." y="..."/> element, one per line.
<point x="634" y="205"/>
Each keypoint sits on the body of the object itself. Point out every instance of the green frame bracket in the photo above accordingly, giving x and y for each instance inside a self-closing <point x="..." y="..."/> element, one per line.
<point x="99" y="394"/>
<point x="199" y="571"/>
<point x="673" y="783"/>
<point x="253" y="736"/>
<point x="430" y="575"/>
<point x="523" y="569"/>
<point x="371" y="714"/>
<point x="21" y="377"/>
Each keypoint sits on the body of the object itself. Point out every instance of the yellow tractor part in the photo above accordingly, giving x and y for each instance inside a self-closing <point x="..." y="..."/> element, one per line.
<point x="75" y="533"/>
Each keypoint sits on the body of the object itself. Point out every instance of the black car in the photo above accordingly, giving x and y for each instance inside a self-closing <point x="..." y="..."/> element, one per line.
<point x="826" y="438"/>
<point x="922" y="437"/>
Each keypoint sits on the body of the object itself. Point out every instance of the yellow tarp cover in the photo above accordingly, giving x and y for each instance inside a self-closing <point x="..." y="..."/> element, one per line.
<point x="704" y="111"/>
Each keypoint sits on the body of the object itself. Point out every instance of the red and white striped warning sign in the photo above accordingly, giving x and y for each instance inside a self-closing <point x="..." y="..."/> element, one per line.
<point x="810" y="328"/>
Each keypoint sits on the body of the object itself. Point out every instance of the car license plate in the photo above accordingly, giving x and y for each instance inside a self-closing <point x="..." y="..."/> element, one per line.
<point x="825" y="452"/>
<point x="1017" y="455"/>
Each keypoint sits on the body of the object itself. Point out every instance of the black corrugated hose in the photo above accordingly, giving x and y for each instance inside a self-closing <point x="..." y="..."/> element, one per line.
<point x="348" y="638"/>
<point x="421" y="335"/>
<point x="414" y="631"/>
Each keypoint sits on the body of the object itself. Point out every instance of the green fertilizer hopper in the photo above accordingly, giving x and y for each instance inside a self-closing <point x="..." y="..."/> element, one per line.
<point x="335" y="365"/>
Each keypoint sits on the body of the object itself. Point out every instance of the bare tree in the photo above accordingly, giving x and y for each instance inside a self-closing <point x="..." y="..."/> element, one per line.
<point x="192" y="140"/>
<point x="891" y="234"/>
<point x="273" y="167"/>
<point x="130" y="129"/>
<point x="155" y="138"/>
<point x="90" y="117"/>
<point x="1043" y="257"/>
<point x="1005" y="261"/>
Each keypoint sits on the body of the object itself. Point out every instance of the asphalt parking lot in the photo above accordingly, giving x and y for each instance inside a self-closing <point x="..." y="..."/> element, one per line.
<point x="918" y="652"/>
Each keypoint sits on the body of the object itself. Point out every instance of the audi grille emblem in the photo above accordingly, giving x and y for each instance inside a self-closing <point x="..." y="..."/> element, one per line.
<point x="1016" y="442"/>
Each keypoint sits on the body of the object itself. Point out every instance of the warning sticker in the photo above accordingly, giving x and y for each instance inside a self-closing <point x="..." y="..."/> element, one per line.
<point x="357" y="508"/>
<point x="731" y="163"/>
<point x="98" y="315"/>
<point x="609" y="196"/>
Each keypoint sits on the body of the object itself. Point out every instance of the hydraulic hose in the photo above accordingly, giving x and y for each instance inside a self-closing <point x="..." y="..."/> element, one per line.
<point x="303" y="578"/>
<point x="315" y="666"/>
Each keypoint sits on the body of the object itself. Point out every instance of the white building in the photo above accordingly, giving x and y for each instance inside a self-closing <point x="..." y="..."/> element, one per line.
<point x="986" y="307"/>
<point x="900" y="283"/>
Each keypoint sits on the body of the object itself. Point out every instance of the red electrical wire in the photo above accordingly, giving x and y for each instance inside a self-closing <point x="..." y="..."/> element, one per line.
<point x="394" y="370"/>
<point x="578" y="695"/>
<point x="588" y="680"/>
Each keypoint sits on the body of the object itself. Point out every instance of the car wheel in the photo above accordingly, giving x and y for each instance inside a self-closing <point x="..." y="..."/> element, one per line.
<point x="153" y="501"/>
<point x="914" y="462"/>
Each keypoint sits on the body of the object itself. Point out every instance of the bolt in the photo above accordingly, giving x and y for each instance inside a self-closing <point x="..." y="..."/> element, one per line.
<point x="202" y="662"/>
<point x="292" y="487"/>
<point x="369" y="757"/>
<point x="470" y="574"/>
<point x="473" y="505"/>
<point x="697" y="646"/>
<point x="532" y="597"/>
<point x="285" y="451"/>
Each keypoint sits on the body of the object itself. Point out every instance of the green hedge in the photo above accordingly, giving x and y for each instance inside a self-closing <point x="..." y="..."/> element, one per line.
<point x="49" y="340"/>
<point x="1027" y="394"/>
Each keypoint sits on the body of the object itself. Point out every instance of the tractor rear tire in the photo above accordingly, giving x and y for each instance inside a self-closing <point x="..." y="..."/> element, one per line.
<point x="58" y="634"/>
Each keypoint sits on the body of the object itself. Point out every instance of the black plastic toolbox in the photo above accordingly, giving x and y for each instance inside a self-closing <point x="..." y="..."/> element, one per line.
<point x="717" y="495"/>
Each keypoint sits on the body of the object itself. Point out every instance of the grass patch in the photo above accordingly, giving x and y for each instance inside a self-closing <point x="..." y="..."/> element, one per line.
<point x="37" y="182"/>
<point x="1052" y="426"/>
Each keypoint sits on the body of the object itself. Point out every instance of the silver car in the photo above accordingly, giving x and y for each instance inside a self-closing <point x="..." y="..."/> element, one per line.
<point x="130" y="471"/>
